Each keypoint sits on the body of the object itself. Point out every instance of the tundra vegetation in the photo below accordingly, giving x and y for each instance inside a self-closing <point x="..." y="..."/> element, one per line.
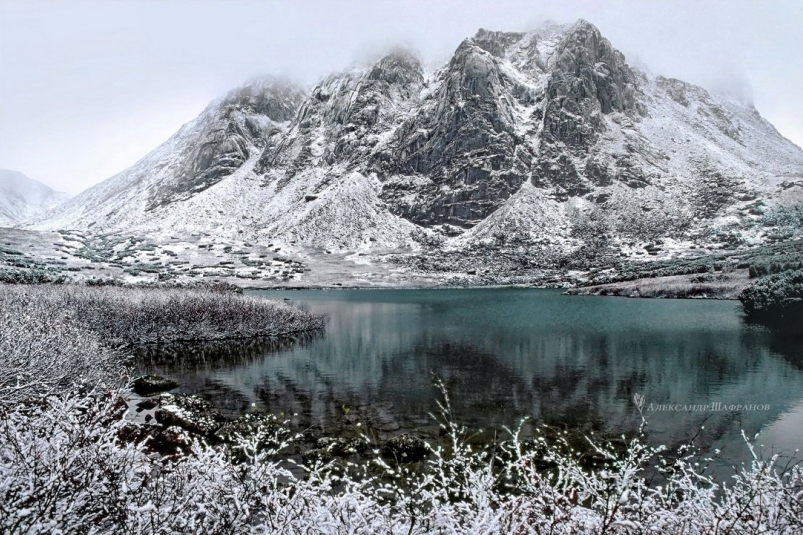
<point x="71" y="462"/>
<point x="776" y="299"/>
<point x="767" y="280"/>
<point x="776" y="296"/>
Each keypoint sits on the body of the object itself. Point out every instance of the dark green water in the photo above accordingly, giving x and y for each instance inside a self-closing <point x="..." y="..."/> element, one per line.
<point x="509" y="353"/>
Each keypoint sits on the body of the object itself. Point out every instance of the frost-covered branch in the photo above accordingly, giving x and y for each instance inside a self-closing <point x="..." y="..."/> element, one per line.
<point x="64" y="465"/>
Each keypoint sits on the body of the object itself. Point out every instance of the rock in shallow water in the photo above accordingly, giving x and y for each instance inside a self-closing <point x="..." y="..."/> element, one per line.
<point x="147" y="385"/>
<point x="189" y="412"/>
<point x="147" y="404"/>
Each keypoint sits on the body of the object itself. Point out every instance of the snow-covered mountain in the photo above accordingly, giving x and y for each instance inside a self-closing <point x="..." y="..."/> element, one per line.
<point x="23" y="198"/>
<point x="545" y="138"/>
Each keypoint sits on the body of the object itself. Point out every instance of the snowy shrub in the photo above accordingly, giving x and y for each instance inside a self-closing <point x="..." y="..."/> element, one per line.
<point x="62" y="467"/>
<point x="66" y="467"/>
<point x="129" y="316"/>
<point x="777" y="263"/>
<point x="44" y="349"/>
<point x="785" y="216"/>
<point x="776" y="297"/>
<point x="29" y="276"/>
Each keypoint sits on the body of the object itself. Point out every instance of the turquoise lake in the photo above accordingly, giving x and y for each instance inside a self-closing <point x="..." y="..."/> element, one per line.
<point x="509" y="353"/>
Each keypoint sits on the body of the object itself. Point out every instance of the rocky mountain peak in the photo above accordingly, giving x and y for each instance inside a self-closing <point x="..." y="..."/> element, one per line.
<point x="345" y="113"/>
<point x="588" y="79"/>
<point x="473" y="74"/>
<point x="545" y="135"/>
<point x="276" y="98"/>
<point x="232" y="131"/>
<point x="587" y="67"/>
<point x="494" y="42"/>
<point x="462" y="139"/>
<point x="399" y="67"/>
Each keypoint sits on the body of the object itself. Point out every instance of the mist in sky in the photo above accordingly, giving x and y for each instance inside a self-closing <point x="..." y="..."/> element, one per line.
<point x="89" y="87"/>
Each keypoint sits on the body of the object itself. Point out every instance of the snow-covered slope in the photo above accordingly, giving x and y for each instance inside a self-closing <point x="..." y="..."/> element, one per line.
<point x="22" y="198"/>
<point x="545" y="137"/>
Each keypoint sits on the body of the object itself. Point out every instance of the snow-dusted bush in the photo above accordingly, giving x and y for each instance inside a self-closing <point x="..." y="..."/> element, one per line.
<point x="633" y="214"/>
<point x="44" y="349"/>
<point x="29" y="276"/>
<point x="777" y="297"/>
<point x="125" y="316"/>
<point x="786" y="217"/>
<point x="64" y="468"/>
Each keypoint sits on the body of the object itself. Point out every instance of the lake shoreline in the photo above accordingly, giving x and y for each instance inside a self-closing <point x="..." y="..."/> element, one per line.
<point x="670" y="287"/>
<point x="726" y="286"/>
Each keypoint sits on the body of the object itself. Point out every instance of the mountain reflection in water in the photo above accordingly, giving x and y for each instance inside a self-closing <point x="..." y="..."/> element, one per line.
<point x="505" y="354"/>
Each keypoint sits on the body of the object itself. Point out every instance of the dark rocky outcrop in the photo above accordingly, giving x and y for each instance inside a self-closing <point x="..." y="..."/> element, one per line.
<point x="233" y="130"/>
<point x="189" y="412"/>
<point x="340" y="120"/>
<point x="676" y="89"/>
<point x="146" y="385"/>
<point x="463" y="140"/>
<point x="496" y="43"/>
<point x="589" y="79"/>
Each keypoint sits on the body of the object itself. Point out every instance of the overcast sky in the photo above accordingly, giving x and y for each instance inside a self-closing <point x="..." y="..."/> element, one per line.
<point x="89" y="87"/>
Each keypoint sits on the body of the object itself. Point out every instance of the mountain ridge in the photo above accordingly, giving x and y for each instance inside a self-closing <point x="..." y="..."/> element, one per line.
<point x="545" y="137"/>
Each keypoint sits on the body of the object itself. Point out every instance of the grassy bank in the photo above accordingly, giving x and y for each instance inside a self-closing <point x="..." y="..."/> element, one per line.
<point x="768" y="280"/>
<point x="758" y="260"/>
<point x="132" y="315"/>
<point x="54" y="338"/>
<point x="707" y="285"/>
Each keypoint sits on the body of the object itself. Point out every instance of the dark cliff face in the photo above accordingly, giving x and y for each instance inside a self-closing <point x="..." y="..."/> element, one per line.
<point x="589" y="71"/>
<point x="244" y="121"/>
<point x="465" y="139"/>
<point x="341" y="120"/>
<point x="588" y="79"/>
<point x="462" y="140"/>
<point x="448" y="151"/>
<point x="496" y="43"/>
<point x="277" y="100"/>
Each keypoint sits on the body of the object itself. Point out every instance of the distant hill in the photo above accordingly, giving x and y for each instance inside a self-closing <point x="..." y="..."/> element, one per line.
<point x="22" y="198"/>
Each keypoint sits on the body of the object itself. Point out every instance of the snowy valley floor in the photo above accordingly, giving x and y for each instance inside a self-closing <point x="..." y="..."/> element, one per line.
<point x="72" y="256"/>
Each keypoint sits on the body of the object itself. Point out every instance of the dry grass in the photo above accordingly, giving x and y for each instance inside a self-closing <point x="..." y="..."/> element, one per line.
<point x="710" y="286"/>
<point x="56" y="338"/>
<point x="131" y="316"/>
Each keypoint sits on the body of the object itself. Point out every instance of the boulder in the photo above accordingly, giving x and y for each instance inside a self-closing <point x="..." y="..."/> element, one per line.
<point x="189" y="412"/>
<point x="147" y="385"/>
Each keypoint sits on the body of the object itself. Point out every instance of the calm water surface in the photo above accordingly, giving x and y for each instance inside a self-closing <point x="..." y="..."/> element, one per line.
<point x="509" y="353"/>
